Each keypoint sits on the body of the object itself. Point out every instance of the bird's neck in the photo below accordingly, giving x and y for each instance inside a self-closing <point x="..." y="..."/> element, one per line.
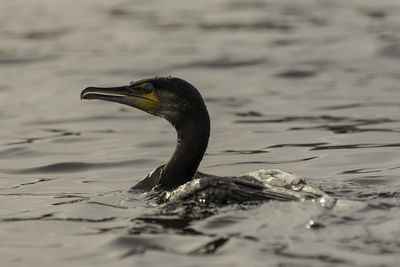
<point x="192" y="143"/>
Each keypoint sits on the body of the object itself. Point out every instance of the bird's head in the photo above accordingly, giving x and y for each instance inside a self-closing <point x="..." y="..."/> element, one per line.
<point x="171" y="98"/>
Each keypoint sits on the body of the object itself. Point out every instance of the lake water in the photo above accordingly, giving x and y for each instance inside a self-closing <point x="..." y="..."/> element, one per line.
<point x="308" y="87"/>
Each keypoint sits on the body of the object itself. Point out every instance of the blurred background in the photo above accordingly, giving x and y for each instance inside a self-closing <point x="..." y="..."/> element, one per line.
<point x="309" y="87"/>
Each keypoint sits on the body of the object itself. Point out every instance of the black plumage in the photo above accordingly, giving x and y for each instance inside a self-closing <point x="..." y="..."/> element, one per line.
<point x="181" y="104"/>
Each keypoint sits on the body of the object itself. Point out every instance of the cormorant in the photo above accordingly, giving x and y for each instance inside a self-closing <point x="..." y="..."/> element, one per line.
<point x="181" y="104"/>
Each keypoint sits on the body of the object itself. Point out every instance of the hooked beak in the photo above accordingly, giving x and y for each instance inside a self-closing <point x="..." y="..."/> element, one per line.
<point x="113" y="94"/>
<point x="123" y="95"/>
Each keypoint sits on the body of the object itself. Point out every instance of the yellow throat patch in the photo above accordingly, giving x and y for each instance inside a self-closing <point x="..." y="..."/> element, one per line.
<point x="149" y="102"/>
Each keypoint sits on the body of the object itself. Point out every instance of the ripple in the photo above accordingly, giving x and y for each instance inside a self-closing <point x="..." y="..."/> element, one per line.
<point x="357" y="171"/>
<point x="240" y="5"/>
<point x="45" y="34"/>
<point x="297" y="74"/>
<point x="24" y="60"/>
<point x="30" y="140"/>
<point x="342" y="129"/>
<point x="265" y="162"/>
<point x="321" y="118"/>
<point x="286" y="42"/>
<point x="298" y="145"/>
<point x="257" y="25"/>
<point x="170" y="243"/>
<point x="349" y="125"/>
<point x="223" y="63"/>
<point x="228" y="101"/>
<point x="41" y="180"/>
<point x="249" y="114"/>
<point x="354" y="146"/>
<point x="245" y="151"/>
<point x="67" y="167"/>
<point x="391" y="51"/>
<point x="320" y="257"/>
<point x="49" y="217"/>
<point x="380" y="205"/>
<point x="18" y="219"/>
<point x="377" y="14"/>
<point x="179" y="225"/>
<point x="359" y="105"/>
<point x="17" y="152"/>
<point x="80" y="119"/>
<point x="210" y="247"/>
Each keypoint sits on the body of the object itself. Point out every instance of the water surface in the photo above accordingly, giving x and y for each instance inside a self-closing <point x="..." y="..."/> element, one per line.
<point x="309" y="87"/>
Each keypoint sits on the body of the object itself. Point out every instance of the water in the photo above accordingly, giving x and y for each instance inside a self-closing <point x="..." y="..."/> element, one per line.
<point x="309" y="87"/>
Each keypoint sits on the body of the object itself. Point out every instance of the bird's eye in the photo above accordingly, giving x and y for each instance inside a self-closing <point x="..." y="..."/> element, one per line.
<point x="148" y="89"/>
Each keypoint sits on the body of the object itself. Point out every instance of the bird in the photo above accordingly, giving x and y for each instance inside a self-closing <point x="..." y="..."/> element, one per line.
<point x="181" y="104"/>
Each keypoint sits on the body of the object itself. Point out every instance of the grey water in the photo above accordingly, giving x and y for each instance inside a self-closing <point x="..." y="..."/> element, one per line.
<point x="308" y="87"/>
